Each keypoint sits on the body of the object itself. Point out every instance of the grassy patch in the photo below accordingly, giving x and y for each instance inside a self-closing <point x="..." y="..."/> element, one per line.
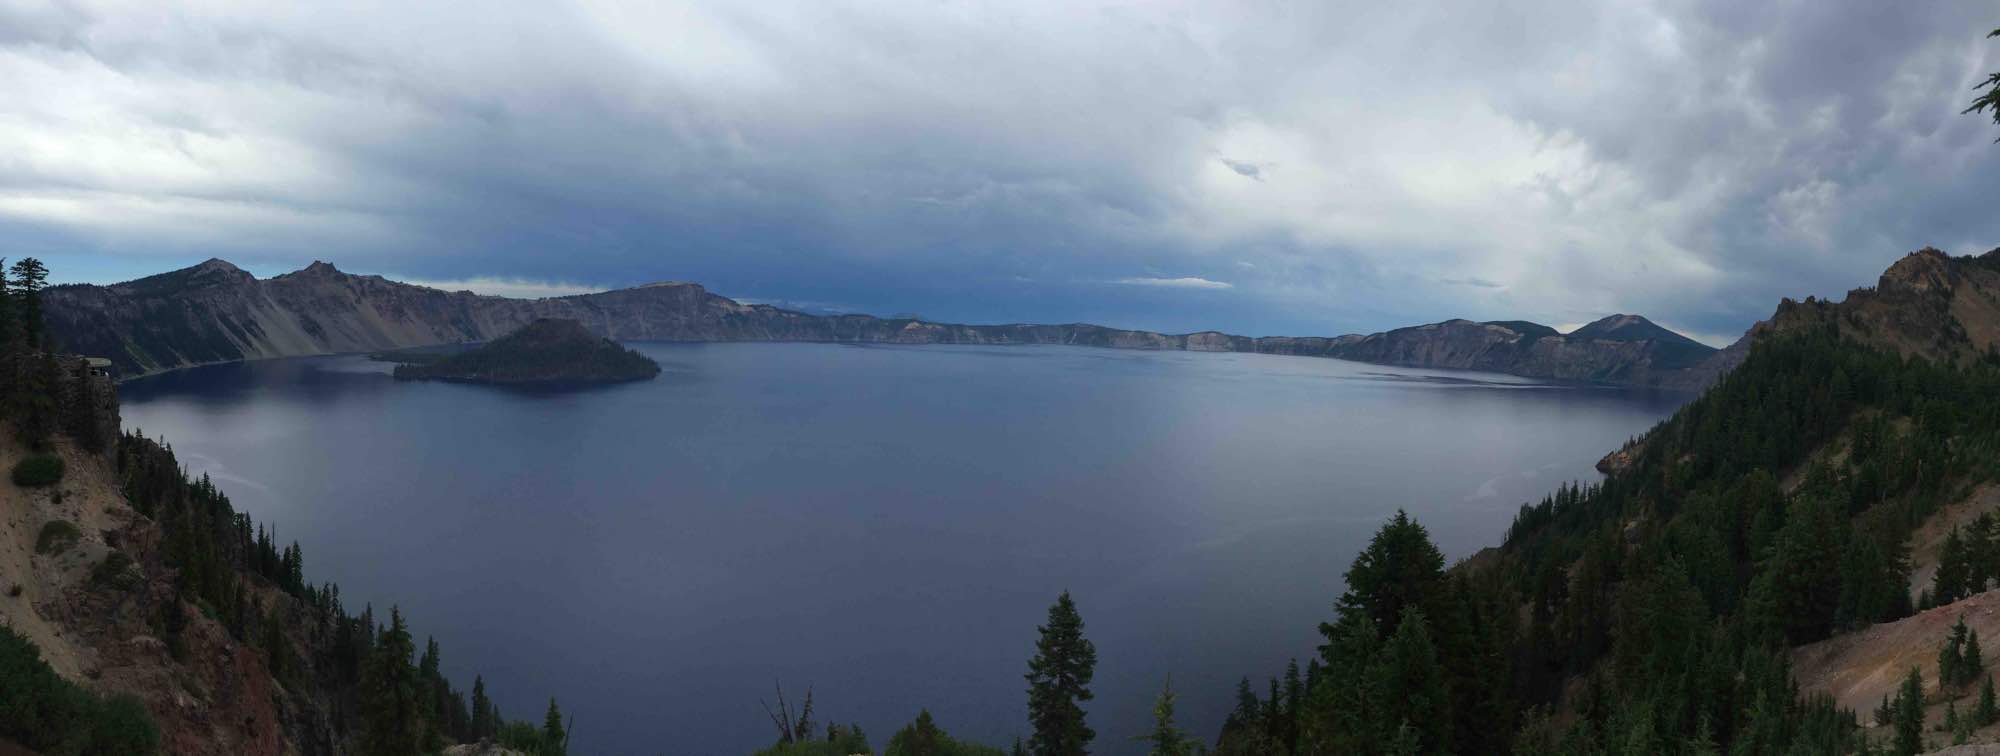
<point x="56" y="537"/>
<point x="38" y="470"/>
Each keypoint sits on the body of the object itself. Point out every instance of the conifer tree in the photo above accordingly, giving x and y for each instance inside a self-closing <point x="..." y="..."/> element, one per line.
<point x="1400" y="569"/>
<point x="1059" y="681"/>
<point x="1243" y="730"/>
<point x="1294" y="706"/>
<point x="1953" y="723"/>
<point x="1947" y="660"/>
<point x="8" y="324"/>
<point x="482" y="710"/>
<point x="1274" y="714"/>
<point x="1970" y="665"/>
<point x="433" y="695"/>
<point x="1408" y="680"/>
<point x="1979" y="553"/>
<point x="29" y="275"/>
<point x="1166" y="739"/>
<point x="1948" y="583"/>
<point x="1910" y="715"/>
<point x="1340" y="717"/>
<point x="919" y="738"/>
<point x="1990" y="99"/>
<point x="391" y="722"/>
<point x="1958" y="656"/>
<point x="555" y="740"/>
<point x="1987" y="712"/>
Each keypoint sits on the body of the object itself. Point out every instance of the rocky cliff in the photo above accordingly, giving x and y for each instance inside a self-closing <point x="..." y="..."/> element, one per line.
<point x="90" y="602"/>
<point x="216" y="312"/>
<point x="1928" y="304"/>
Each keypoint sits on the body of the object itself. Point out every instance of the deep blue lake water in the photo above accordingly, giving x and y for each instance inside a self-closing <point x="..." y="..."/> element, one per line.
<point x="885" y="524"/>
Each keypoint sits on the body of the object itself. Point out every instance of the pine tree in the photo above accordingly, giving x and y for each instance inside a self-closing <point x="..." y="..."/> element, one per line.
<point x="1958" y="657"/>
<point x="1910" y="715"/>
<point x="1948" y="583"/>
<point x="555" y="741"/>
<point x="1166" y="739"/>
<point x="1294" y="706"/>
<point x="1408" y="679"/>
<point x="1400" y="569"/>
<point x="1970" y="665"/>
<point x="1990" y="99"/>
<point x="919" y="738"/>
<point x="1947" y="660"/>
<point x="482" y="710"/>
<point x="1243" y="730"/>
<point x="8" y="323"/>
<point x="432" y="694"/>
<point x="391" y="722"/>
<point x="1979" y="553"/>
<point x="25" y="288"/>
<point x="1988" y="712"/>
<point x="1340" y="715"/>
<point x="1274" y="715"/>
<point x="1058" y="681"/>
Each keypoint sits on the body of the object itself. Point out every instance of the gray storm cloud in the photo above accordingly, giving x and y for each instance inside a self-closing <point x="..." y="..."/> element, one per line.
<point x="1692" y="161"/>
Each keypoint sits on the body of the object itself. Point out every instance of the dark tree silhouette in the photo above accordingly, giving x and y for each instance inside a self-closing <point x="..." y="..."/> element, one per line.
<point x="1058" y="681"/>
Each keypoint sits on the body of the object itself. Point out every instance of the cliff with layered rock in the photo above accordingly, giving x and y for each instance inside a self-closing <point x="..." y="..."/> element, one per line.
<point x="1928" y="304"/>
<point x="216" y="312"/>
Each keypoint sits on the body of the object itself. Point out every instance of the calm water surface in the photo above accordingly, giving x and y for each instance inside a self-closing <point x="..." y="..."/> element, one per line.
<point x="884" y="524"/>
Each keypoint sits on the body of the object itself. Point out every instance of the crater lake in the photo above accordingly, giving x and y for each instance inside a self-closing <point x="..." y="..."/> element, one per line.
<point x="883" y="525"/>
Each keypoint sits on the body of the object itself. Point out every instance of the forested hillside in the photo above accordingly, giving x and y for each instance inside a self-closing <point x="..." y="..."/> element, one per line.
<point x="174" y="622"/>
<point x="1654" y="612"/>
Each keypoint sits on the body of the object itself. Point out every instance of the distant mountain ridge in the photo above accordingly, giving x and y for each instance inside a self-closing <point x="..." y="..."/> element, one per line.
<point x="216" y="312"/>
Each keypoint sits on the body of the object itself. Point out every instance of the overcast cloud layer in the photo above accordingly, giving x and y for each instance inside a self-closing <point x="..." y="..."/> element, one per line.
<point x="1256" y="167"/>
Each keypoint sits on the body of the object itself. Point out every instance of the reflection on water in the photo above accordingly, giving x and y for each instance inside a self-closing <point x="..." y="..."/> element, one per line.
<point x="887" y="524"/>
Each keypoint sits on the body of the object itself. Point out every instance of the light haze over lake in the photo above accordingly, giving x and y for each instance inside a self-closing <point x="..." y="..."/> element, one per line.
<point x="885" y="524"/>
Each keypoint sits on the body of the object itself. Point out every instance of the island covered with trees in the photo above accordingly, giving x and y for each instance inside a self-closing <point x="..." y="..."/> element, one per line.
<point x="547" y="351"/>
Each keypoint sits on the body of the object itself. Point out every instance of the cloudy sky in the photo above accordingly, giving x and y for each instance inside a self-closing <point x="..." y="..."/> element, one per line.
<point x="1257" y="167"/>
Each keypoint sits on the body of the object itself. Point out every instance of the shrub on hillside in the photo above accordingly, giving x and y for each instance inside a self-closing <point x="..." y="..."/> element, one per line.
<point x="56" y="537"/>
<point x="55" y="717"/>
<point x="38" y="470"/>
<point x="115" y="571"/>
